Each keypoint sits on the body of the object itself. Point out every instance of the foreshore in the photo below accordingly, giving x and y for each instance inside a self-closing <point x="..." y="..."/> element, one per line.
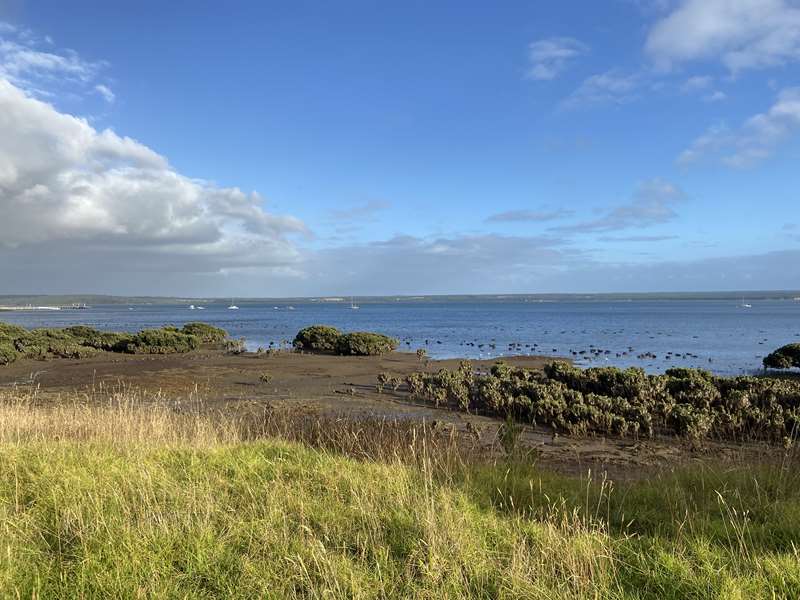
<point x="342" y="387"/>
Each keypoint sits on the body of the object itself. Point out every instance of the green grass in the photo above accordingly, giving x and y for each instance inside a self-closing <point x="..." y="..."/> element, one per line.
<point x="127" y="500"/>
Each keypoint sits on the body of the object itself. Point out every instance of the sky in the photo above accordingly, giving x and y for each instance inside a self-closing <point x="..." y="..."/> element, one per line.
<point x="374" y="148"/>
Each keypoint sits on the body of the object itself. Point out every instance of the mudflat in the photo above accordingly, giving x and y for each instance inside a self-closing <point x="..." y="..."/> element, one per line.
<point x="345" y="387"/>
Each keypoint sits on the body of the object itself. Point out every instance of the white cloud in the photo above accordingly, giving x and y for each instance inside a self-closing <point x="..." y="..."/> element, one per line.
<point x="742" y="34"/>
<point x="652" y="204"/>
<point x="105" y="92"/>
<point x="70" y="193"/>
<point x="551" y="56"/>
<point x="755" y="141"/>
<point x="30" y="63"/>
<point x="611" y="87"/>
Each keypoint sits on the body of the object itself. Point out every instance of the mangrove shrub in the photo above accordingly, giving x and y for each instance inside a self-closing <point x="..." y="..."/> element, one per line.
<point x="786" y="357"/>
<point x="362" y="343"/>
<point x="317" y="338"/>
<point x="607" y="400"/>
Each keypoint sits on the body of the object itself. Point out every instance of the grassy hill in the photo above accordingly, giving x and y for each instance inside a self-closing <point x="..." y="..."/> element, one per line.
<point x="115" y="496"/>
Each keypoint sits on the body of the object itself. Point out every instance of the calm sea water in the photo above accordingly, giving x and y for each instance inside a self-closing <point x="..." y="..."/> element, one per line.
<point x="719" y="335"/>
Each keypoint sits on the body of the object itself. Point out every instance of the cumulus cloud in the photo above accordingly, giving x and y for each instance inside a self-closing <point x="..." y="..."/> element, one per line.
<point x="529" y="216"/>
<point x="753" y="142"/>
<point x="75" y="197"/>
<point x="652" y="204"/>
<point x="551" y="56"/>
<point x="742" y="34"/>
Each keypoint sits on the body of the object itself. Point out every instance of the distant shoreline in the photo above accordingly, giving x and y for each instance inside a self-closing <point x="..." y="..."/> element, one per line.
<point x="17" y="301"/>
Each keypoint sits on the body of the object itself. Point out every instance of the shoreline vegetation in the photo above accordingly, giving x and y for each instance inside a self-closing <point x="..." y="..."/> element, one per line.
<point x="610" y="401"/>
<point x="80" y="341"/>
<point x="112" y="490"/>
<point x="691" y="403"/>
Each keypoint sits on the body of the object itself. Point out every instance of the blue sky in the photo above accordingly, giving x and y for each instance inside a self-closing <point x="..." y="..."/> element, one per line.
<point x="413" y="147"/>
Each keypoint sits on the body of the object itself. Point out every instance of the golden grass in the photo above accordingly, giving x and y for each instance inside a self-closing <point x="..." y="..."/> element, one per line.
<point x="121" y="493"/>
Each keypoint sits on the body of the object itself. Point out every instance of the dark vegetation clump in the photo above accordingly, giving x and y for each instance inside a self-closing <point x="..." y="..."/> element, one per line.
<point x="628" y="402"/>
<point x="80" y="341"/>
<point x="208" y="334"/>
<point x="324" y="339"/>
<point x="317" y="338"/>
<point x="364" y="343"/>
<point x="786" y="357"/>
<point x="167" y="340"/>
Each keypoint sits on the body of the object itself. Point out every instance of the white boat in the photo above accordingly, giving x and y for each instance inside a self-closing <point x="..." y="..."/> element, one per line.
<point x="233" y="306"/>
<point x="201" y="308"/>
<point x="745" y="304"/>
<point x="191" y="307"/>
<point x="353" y="305"/>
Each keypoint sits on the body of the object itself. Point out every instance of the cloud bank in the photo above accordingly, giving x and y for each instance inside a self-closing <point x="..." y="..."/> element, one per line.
<point x="70" y="194"/>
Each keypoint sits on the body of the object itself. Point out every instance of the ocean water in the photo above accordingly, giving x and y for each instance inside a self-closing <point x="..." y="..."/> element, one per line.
<point x="719" y="335"/>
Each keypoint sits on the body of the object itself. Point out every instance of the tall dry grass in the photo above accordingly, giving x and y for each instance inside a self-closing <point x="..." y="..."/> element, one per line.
<point x="117" y="491"/>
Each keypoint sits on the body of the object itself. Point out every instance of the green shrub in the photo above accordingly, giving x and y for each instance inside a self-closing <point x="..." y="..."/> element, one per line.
<point x="8" y="353"/>
<point x="786" y="357"/>
<point x="363" y="343"/>
<point x="42" y="344"/>
<point x="80" y="341"/>
<point x="208" y="334"/>
<point x="687" y="402"/>
<point x="110" y="341"/>
<point x="81" y="331"/>
<point x="166" y="340"/>
<point x="107" y="341"/>
<point x="10" y="332"/>
<point x="317" y="338"/>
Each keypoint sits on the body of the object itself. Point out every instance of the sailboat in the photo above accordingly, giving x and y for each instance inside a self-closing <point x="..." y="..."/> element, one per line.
<point x="745" y="304"/>
<point x="353" y="305"/>
<point x="233" y="306"/>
